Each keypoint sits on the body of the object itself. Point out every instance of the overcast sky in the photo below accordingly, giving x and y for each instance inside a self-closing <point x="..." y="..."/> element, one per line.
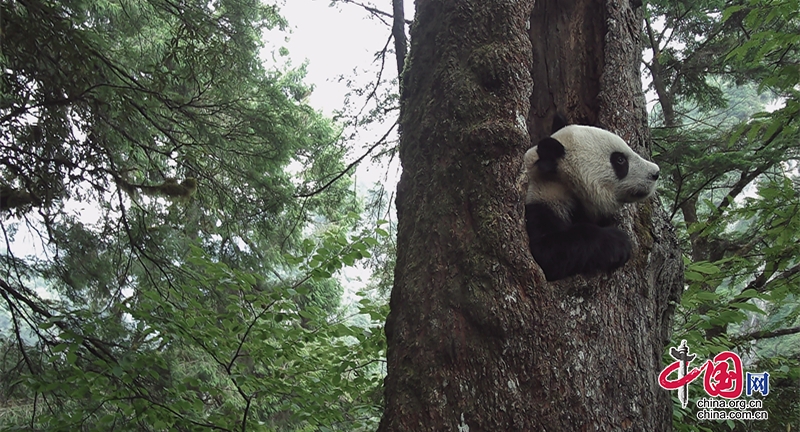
<point x="335" y="41"/>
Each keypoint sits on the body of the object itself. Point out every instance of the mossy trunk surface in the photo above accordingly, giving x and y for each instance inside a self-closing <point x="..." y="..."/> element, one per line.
<point x="477" y="340"/>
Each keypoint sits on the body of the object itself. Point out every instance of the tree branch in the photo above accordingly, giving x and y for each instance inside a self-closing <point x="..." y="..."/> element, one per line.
<point x="745" y="179"/>
<point x="373" y="10"/>
<point x="349" y="167"/>
<point x="399" y="33"/>
<point x="763" y="279"/>
<point x="765" y="334"/>
<point x="92" y="344"/>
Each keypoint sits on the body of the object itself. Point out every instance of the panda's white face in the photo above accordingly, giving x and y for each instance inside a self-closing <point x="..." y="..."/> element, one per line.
<point x="597" y="168"/>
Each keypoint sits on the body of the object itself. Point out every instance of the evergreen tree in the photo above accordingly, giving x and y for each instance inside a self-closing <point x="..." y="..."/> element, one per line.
<point x="168" y="180"/>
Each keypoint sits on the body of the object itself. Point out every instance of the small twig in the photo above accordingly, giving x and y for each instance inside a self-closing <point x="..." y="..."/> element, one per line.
<point x="373" y="10"/>
<point x="349" y="167"/>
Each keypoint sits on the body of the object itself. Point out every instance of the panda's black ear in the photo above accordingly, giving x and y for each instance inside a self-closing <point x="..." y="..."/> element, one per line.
<point x="549" y="151"/>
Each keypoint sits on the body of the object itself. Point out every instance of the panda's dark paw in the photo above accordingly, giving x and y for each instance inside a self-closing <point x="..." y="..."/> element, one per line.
<point x="617" y="249"/>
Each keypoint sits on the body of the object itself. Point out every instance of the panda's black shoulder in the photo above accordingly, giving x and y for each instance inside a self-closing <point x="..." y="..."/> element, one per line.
<point x="541" y="219"/>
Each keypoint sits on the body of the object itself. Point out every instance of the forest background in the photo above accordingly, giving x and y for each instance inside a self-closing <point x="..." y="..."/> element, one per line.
<point x="191" y="212"/>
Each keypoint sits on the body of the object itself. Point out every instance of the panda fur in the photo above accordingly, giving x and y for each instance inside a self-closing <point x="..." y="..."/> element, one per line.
<point x="578" y="179"/>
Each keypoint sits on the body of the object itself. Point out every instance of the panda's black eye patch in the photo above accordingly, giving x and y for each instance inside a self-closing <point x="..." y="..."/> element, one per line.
<point x="620" y="164"/>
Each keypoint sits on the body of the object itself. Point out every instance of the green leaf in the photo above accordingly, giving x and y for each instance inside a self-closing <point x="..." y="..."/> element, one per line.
<point x="748" y="307"/>
<point x="706" y="295"/>
<point x="704" y="267"/>
<point x="693" y="276"/>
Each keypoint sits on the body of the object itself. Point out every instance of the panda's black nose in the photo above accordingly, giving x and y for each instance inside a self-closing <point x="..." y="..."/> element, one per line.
<point x="654" y="176"/>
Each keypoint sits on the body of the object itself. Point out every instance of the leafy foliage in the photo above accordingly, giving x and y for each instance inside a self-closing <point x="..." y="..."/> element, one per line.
<point x="258" y="363"/>
<point x="732" y="183"/>
<point x="169" y="181"/>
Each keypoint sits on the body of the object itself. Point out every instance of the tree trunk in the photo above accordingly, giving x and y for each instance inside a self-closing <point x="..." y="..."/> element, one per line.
<point x="477" y="340"/>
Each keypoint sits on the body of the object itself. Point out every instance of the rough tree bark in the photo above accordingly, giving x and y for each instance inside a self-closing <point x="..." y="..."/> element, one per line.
<point x="477" y="340"/>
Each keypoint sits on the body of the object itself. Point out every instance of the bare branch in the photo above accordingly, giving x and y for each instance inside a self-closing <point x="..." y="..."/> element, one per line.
<point x="373" y="10"/>
<point x="763" y="279"/>
<point x="766" y="334"/>
<point x="349" y="167"/>
<point x="399" y="33"/>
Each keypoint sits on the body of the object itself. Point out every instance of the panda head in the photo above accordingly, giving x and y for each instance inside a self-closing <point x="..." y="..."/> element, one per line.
<point x="587" y="167"/>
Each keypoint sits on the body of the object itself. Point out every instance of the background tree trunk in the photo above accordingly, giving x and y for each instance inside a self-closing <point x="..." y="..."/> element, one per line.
<point x="477" y="340"/>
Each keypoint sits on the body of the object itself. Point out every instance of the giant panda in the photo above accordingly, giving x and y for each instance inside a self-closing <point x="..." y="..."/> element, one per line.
<point x="578" y="179"/>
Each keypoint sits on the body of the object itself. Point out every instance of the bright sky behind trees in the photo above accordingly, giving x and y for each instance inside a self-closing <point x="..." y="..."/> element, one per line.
<point x="335" y="41"/>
